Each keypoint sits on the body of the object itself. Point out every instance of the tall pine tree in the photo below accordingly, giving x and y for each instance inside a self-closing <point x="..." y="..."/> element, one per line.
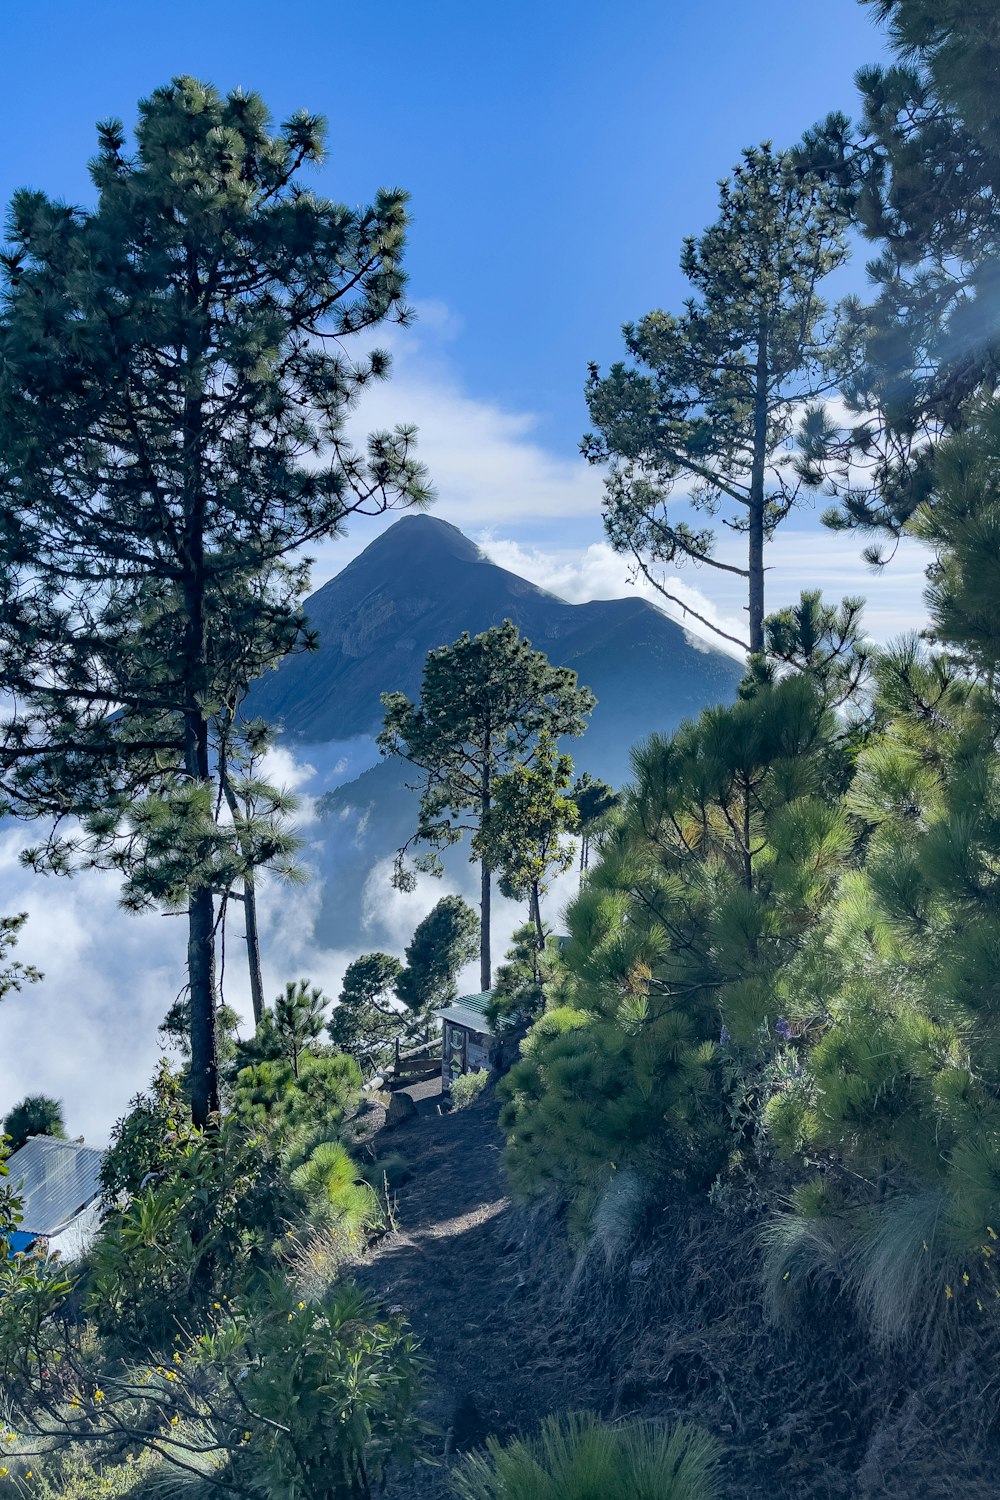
<point x="484" y="703"/>
<point x="707" y="408"/>
<point x="174" y="389"/>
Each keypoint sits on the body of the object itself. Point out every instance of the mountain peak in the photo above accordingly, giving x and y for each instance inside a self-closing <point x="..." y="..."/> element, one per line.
<point x="420" y="584"/>
<point x="418" y="536"/>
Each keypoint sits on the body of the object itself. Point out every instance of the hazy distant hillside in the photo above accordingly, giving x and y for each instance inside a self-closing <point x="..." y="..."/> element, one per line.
<point x="418" y="586"/>
<point x="422" y="583"/>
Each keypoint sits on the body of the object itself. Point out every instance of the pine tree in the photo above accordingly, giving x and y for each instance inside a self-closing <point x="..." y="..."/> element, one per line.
<point x="710" y="402"/>
<point x="484" y="702"/>
<point x="365" y="1022"/>
<point x="174" y="391"/>
<point x="14" y="974"/>
<point x="443" y="942"/>
<point x="36" y="1114"/>
<point x="902" y="1081"/>
<point x="523" y="834"/>
<point x="711" y="885"/>
<point x="920" y="175"/>
<point x="596" y="804"/>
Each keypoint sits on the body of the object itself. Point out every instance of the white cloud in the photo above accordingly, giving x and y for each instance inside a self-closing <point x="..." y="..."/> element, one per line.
<point x="88" y="1032"/>
<point x="796" y="559"/>
<point x="538" y="512"/>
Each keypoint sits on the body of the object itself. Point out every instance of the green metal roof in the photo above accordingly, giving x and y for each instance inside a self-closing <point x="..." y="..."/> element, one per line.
<point x="469" y="1011"/>
<point x="478" y="1003"/>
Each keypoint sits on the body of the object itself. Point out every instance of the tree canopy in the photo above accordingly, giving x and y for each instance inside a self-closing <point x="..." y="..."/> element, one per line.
<point x="484" y="702"/>
<point x="175" y="384"/>
<point x="707" y="409"/>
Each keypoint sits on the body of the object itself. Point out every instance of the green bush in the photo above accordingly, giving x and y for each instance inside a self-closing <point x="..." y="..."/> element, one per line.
<point x="580" y="1457"/>
<point x="689" y="935"/>
<point x="467" y="1087"/>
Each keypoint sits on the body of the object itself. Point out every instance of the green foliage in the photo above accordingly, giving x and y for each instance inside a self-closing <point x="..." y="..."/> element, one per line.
<point x="13" y="975"/>
<point x="287" y="1029"/>
<point x="711" y="397"/>
<point x="201" y="1231"/>
<point x="204" y="305"/>
<point x="694" y="929"/>
<point x="332" y="1388"/>
<point x="527" y="977"/>
<point x="484" y="702"/>
<point x="521" y="834"/>
<point x="271" y="1097"/>
<point x="467" y="1087"/>
<point x="142" y="1141"/>
<point x="365" y="1021"/>
<point x="580" y="1457"/>
<point x="335" y="1193"/>
<point x="36" y="1114"/>
<point x="919" y="173"/>
<point x="442" y="944"/>
<point x="276" y="1397"/>
<point x="596" y="804"/>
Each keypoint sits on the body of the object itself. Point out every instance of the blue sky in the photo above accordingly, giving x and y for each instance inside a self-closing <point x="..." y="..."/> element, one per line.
<point x="556" y="153"/>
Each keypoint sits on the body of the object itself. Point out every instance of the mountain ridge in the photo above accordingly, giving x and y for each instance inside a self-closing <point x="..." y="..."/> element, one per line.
<point x="421" y="583"/>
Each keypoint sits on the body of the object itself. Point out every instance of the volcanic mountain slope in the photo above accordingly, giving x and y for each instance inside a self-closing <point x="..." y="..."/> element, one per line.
<point x="421" y="583"/>
<point x="417" y="587"/>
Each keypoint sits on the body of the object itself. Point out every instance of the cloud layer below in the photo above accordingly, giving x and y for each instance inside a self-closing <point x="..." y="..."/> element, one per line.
<point x="87" y="1033"/>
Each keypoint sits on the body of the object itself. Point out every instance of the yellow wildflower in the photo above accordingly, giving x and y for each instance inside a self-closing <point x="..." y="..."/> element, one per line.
<point x="948" y="1292"/>
<point x="98" y="1396"/>
<point x="174" y="1420"/>
<point x="965" y="1278"/>
<point x="177" y="1359"/>
<point x="991" y="1232"/>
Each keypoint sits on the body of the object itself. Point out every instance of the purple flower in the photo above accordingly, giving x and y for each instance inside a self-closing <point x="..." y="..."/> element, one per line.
<point x="723" y="1036"/>
<point x="783" y="1029"/>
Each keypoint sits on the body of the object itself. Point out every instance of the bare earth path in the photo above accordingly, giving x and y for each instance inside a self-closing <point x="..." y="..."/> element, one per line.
<point x="456" y="1269"/>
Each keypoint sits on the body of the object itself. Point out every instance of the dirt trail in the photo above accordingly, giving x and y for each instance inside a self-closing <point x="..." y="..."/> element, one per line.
<point x="456" y="1269"/>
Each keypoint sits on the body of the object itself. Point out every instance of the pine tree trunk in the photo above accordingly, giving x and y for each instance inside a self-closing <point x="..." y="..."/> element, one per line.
<point x="536" y="917"/>
<point x="755" y="560"/>
<point x="485" y="959"/>
<point x="201" y="907"/>
<point x="201" y="978"/>
<point x="253" y="948"/>
<point x="249" y="901"/>
<point x="485" y="962"/>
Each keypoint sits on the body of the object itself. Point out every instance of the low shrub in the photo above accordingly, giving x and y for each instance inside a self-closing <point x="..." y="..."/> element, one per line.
<point x="466" y="1089"/>
<point x="581" y="1457"/>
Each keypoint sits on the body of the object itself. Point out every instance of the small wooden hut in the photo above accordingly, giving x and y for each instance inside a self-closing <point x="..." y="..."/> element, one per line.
<point x="466" y="1037"/>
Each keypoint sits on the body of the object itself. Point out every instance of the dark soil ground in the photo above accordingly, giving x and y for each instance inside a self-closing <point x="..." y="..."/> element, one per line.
<point x="456" y="1266"/>
<point x="515" y="1327"/>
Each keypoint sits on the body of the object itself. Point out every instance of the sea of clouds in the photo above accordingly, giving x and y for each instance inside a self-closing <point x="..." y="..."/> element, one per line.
<point x="87" y="1033"/>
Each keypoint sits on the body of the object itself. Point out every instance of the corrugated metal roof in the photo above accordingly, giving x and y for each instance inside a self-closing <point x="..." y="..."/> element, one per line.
<point x="469" y="1011"/>
<point x="476" y="1002"/>
<point x="55" y="1180"/>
